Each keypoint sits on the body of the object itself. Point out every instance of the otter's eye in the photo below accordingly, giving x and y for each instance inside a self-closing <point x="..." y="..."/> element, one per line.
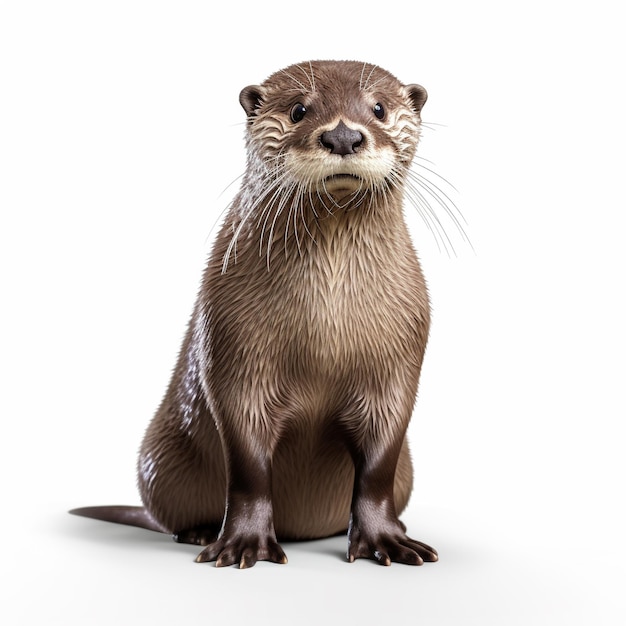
<point x="379" y="112"/>
<point x="298" y="112"/>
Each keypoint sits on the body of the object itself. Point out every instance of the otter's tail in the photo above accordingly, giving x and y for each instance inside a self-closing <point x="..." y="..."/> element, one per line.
<point x="129" y="515"/>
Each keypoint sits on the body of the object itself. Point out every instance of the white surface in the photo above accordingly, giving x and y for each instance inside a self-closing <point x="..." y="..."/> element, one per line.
<point x="120" y="128"/>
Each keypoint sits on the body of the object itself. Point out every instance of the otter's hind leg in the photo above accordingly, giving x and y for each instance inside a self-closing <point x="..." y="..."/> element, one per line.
<point x="201" y="535"/>
<point x="181" y="474"/>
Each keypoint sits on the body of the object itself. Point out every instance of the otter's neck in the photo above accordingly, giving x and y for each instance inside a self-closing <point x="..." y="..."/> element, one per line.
<point x="292" y="224"/>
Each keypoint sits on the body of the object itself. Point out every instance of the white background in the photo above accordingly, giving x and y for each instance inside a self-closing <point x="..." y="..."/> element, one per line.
<point x="119" y="130"/>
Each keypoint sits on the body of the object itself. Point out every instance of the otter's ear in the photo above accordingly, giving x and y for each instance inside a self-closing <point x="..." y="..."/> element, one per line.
<point x="418" y="96"/>
<point x="251" y="98"/>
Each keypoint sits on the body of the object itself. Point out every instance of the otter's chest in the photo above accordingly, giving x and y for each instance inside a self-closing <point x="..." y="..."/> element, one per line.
<point x="358" y="299"/>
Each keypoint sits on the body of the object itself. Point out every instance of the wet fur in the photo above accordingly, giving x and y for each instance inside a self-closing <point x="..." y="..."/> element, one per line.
<point x="287" y="411"/>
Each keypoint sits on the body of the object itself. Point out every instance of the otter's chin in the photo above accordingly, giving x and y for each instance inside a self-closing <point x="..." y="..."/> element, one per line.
<point x="342" y="184"/>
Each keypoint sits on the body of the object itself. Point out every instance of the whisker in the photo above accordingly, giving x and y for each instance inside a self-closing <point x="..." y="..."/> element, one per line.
<point x="422" y="207"/>
<point x="304" y="220"/>
<point x="312" y="204"/>
<point x="430" y="217"/>
<point x="361" y="77"/>
<point x="330" y="213"/>
<point x="236" y="232"/>
<point x="227" y="209"/>
<point x="268" y="184"/>
<point x="292" y="211"/>
<point x="299" y="211"/>
<point x="375" y="83"/>
<point x="443" y="200"/>
<point x="279" y="209"/>
<point x="432" y="224"/>
<point x="369" y="76"/>
<point x="276" y="189"/>
<point x="295" y="80"/>
<point x="308" y="76"/>
<point x="434" y="124"/>
<point x="267" y="211"/>
<point x="434" y="173"/>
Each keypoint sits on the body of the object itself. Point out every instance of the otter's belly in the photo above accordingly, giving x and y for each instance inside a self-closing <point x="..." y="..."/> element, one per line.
<point x="312" y="481"/>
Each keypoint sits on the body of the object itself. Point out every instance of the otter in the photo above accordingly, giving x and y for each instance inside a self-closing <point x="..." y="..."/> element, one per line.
<point x="287" y="411"/>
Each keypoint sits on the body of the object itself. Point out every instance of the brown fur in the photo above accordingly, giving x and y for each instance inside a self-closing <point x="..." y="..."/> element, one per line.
<point x="297" y="378"/>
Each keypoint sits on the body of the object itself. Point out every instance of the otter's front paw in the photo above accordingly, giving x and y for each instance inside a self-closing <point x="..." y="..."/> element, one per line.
<point x="388" y="546"/>
<point x="245" y="550"/>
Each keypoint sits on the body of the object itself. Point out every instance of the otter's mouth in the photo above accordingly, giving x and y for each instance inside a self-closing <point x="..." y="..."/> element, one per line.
<point x="338" y="177"/>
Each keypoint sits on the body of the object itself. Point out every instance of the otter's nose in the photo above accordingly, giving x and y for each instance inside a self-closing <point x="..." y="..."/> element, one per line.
<point x="342" y="139"/>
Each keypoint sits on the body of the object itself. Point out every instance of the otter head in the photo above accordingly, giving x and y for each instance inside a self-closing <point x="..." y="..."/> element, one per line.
<point x="333" y="128"/>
